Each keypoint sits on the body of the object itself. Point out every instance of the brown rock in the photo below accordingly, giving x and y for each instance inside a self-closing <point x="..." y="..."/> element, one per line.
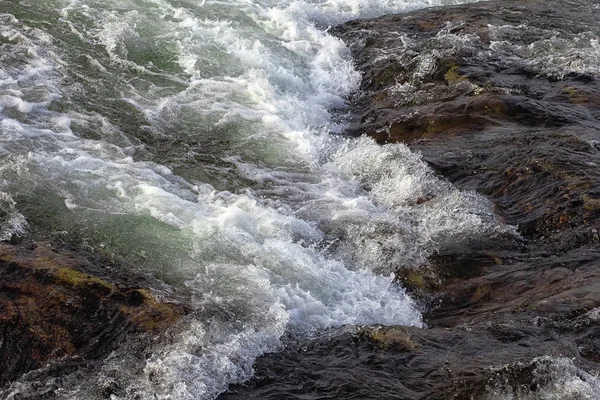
<point x="50" y="308"/>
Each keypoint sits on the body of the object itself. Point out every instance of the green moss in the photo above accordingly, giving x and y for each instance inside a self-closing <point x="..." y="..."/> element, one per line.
<point x="151" y="314"/>
<point x="428" y="26"/>
<point x="576" y="96"/>
<point x="456" y="122"/>
<point x="71" y="277"/>
<point x="392" y="338"/>
<point x="416" y="280"/>
<point x="453" y="76"/>
<point x="5" y="257"/>
<point x="590" y="204"/>
<point x="570" y="91"/>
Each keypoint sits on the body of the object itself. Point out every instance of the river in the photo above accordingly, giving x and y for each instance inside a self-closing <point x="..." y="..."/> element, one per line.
<point x="201" y="142"/>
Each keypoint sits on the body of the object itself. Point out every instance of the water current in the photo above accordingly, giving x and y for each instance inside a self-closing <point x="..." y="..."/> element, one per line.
<point x="200" y="142"/>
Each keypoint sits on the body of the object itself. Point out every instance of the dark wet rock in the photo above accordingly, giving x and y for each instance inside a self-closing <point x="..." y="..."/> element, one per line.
<point x="501" y="98"/>
<point x="498" y="98"/>
<point x="498" y="333"/>
<point x="57" y="305"/>
<point x="467" y="362"/>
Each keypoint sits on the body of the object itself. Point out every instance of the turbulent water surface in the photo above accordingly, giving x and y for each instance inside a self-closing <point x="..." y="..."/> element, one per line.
<point x="199" y="141"/>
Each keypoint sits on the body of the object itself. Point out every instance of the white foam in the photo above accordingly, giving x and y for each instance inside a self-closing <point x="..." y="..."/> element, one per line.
<point x="263" y="78"/>
<point x="553" y="53"/>
<point x="12" y="223"/>
<point x="554" y="378"/>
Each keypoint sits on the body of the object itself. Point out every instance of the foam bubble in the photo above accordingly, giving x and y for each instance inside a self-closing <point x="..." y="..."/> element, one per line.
<point x="554" y="378"/>
<point x="12" y="223"/>
<point x="551" y="52"/>
<point x="311" y="240"/>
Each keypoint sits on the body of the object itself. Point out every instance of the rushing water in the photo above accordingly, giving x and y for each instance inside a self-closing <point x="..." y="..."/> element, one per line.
<point x="198" y="141"/>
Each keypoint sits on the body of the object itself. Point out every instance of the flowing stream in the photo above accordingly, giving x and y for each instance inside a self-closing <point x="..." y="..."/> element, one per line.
<point x="200" y="141"/>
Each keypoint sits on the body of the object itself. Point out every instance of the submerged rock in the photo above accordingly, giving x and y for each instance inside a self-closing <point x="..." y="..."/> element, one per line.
<point x="57" y="305"/>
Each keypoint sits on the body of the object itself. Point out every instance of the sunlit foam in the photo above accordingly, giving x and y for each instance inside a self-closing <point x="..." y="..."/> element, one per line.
<point x="263" y="79"/>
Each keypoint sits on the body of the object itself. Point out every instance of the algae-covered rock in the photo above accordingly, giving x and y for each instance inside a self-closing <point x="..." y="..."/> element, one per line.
<point x="390" y="337"/>
<point x="51" y="308"/>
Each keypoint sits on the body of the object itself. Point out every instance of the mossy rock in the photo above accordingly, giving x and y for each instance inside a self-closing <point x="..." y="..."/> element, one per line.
<point x="394" y="337"/>
<point x="453" y="75"/>
<point x="52" y="307"/>
<point x="420" y="280"/>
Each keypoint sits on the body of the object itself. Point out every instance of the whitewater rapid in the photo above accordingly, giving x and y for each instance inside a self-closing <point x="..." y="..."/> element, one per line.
<point x="199" y="141"/>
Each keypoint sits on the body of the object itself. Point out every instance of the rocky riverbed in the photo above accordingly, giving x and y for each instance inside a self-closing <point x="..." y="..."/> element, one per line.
<point x="501" y="98"/>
